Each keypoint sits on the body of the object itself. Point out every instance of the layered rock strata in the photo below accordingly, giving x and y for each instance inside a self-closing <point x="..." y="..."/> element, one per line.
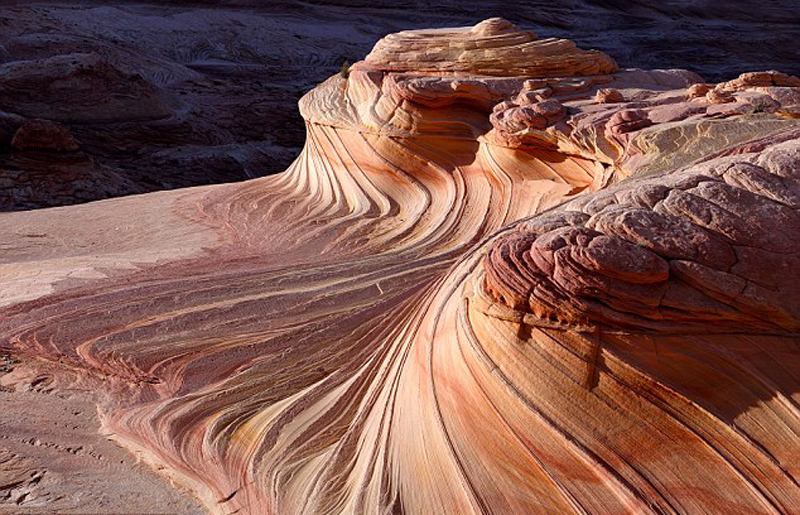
<point x="167" y="95"/>
<point x="504" y="276"/>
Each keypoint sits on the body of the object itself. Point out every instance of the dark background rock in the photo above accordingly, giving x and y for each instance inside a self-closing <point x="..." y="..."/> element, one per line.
<point x="183" y="93"/>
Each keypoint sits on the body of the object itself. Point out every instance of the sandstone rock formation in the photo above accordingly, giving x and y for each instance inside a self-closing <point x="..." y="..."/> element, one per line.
<point x="162" y="95"/>
<point x="46" y="166"/>
<point x="54" y="458"/>
<point x="475" y="291"/>
<point x="44" y="135"/>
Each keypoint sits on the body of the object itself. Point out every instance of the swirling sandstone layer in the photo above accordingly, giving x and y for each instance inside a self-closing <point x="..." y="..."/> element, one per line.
<point x="387" y="327"/>
<point x="177" y="94"/>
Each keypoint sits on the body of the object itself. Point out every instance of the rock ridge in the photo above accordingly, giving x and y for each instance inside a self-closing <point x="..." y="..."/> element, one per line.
<point x="471" y="293"/>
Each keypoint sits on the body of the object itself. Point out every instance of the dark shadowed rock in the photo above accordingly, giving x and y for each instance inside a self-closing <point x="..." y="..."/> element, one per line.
<point x="44" y="135"/>
<point x="80" y="88"/>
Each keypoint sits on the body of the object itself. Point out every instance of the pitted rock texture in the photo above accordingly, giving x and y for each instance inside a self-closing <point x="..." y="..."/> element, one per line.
<point x="470" y="294"/>
<point x="54" y="459"/>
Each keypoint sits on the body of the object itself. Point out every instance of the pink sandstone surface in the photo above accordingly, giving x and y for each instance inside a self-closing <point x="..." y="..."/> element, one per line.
<point x="503" y="276"/>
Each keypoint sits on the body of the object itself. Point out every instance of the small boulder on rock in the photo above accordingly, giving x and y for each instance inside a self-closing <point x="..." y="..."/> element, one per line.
<point x="44" y="135"/>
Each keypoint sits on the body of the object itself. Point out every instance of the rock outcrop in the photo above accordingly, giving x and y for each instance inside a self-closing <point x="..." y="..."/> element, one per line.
<point x="169" y="95"/>
<point x="44" y="135"/>
<point x="494" y="47"/>
<point x="496" y="280"/>
<point x="46" y="167"/>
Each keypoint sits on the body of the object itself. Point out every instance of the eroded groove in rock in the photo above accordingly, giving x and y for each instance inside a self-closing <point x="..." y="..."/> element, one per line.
<point x="387" y="328"/>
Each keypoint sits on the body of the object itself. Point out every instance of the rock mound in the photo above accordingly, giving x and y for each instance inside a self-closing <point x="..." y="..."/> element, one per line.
<point x="480" y="288"/>
<point x="44" y="135"/>
<point x="80" y="88"/>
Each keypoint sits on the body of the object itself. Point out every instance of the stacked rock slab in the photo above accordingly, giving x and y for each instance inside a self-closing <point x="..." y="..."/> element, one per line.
<point x="483" y="287"/>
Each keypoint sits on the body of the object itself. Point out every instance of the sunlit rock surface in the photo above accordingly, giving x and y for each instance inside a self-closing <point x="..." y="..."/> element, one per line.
<point x="553" y="286"/>
<point x="170" y="94"/>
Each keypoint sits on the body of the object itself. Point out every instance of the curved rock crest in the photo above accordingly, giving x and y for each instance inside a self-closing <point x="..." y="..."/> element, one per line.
<point x="483" y="287"/>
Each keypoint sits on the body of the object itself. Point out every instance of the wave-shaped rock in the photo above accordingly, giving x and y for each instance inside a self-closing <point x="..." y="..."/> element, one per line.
<point x="504" y="292"/>
<point x="492" y="47"/>
<point x="175" y="94"/>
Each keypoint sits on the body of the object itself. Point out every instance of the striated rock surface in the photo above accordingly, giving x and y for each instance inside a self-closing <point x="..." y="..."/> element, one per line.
<point x="488" y="284"/>
<point x="78" y="87"/>
<point x="492" y="47"/>
<point x="163" y="95"/>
